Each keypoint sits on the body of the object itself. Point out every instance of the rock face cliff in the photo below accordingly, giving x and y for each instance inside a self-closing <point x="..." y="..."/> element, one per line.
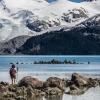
<point x="10" y="46"/>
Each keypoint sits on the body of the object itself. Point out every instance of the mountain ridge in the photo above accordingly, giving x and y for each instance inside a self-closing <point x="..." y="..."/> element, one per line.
<point x="59" y="28"/>
<point x="37" y="16"/>
<point x="77" y="41"/>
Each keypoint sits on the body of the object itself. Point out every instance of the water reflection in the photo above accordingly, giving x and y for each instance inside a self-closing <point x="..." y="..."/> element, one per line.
<point x="47" y="98"/>
<point x="36" y="98"/>
<point x="74" y="97"/>
<point x="91" y="94"/>
<point x="54" y="97"/>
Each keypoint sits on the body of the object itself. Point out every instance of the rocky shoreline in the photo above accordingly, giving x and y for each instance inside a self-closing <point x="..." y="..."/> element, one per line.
<point x="29" y="88"/>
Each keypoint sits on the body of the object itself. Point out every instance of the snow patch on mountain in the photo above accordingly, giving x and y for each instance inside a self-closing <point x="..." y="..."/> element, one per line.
<point x="34" y="17"/>
<point x="25" y="4"/>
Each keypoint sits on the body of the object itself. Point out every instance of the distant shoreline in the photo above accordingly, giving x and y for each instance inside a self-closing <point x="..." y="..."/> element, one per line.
<point x="53" y="61"/>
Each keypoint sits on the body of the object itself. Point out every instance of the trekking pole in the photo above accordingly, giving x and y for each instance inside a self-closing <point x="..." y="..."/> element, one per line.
<point x="17" y="73"/>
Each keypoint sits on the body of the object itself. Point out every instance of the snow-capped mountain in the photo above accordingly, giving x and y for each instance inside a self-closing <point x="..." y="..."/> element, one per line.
<point x="14" y="14"/>
<point x="83" y="39"/>
<point x="34" y="17"/>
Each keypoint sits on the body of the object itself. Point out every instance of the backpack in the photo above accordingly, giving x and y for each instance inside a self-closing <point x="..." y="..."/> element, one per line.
<point x="13" y="71"/>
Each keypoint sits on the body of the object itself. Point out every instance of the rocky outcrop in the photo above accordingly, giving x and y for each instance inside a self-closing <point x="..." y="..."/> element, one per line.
<point x="55" y="82"/>
<point x="93" y="82"/>
<point x="74" y="90"/>
<point x="29" y="81"/>
<point x="30" y="88"/>
<point x="80" y="84"/>
<point x="53" y="91"/>
<point x="74" y="15"/>
<point x="79" y="80"/>
<point x="12" y="45"/>
<point x="4" y="87"/>
<point x="54" y="86"/>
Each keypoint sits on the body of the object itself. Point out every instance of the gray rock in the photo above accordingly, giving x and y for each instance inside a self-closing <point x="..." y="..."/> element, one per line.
<point x="79" y="80"/>
<point x="9" y="95"/>
<point x="3" y="88"/>
<point x="53" y="91"/>
<point x="93" y="82"/>
<point x="10" y="47"/>
<point x="55" y="82"/>
<point x="74" y="90"/>
<point x="29" y="81"/>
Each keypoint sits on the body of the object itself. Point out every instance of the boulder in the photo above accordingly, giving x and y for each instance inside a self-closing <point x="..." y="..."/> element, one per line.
<point x="9" y="95"/>
<point x="53" y="91"/>
<point x="29" y="81"/>
<point x="55" y="82"/>
<point x="93" y="82"/>
<point x="73" y="87"/>
<point x="74" y="90"/>
<point x="79" y="80"/>
<point x="34" y="92"/>
<point x="12" y="88"/>
<point x="21" y="91"/>
<point x="3" y="89"/>
<point x="4" y="83"/>
<point x="79" y="84"/>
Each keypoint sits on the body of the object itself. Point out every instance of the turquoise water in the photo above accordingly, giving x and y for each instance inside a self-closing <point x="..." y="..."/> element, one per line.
<point x="26" y="63"/>
<point x="43" y="71"/>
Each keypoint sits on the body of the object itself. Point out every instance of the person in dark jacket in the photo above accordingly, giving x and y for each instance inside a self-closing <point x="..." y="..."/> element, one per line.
<point x="12" y="73"/>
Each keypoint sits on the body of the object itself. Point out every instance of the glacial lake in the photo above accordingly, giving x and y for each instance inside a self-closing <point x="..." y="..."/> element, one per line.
<point x="43" y="71"/>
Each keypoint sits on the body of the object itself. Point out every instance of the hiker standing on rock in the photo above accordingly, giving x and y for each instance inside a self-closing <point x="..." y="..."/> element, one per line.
<point x="12" y="73"/>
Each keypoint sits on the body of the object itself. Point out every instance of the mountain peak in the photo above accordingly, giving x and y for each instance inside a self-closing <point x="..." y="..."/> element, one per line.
<point x="25" y="3"/>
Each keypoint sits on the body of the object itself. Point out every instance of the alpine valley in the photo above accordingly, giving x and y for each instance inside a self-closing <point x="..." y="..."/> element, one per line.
<point x="59" y="28"/>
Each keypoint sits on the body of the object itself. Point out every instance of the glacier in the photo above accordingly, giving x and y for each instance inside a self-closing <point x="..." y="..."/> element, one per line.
<point x="35" y="17"/>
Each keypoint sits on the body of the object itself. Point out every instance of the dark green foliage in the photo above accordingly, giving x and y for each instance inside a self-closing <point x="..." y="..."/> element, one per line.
<point x="72" y="42"/>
